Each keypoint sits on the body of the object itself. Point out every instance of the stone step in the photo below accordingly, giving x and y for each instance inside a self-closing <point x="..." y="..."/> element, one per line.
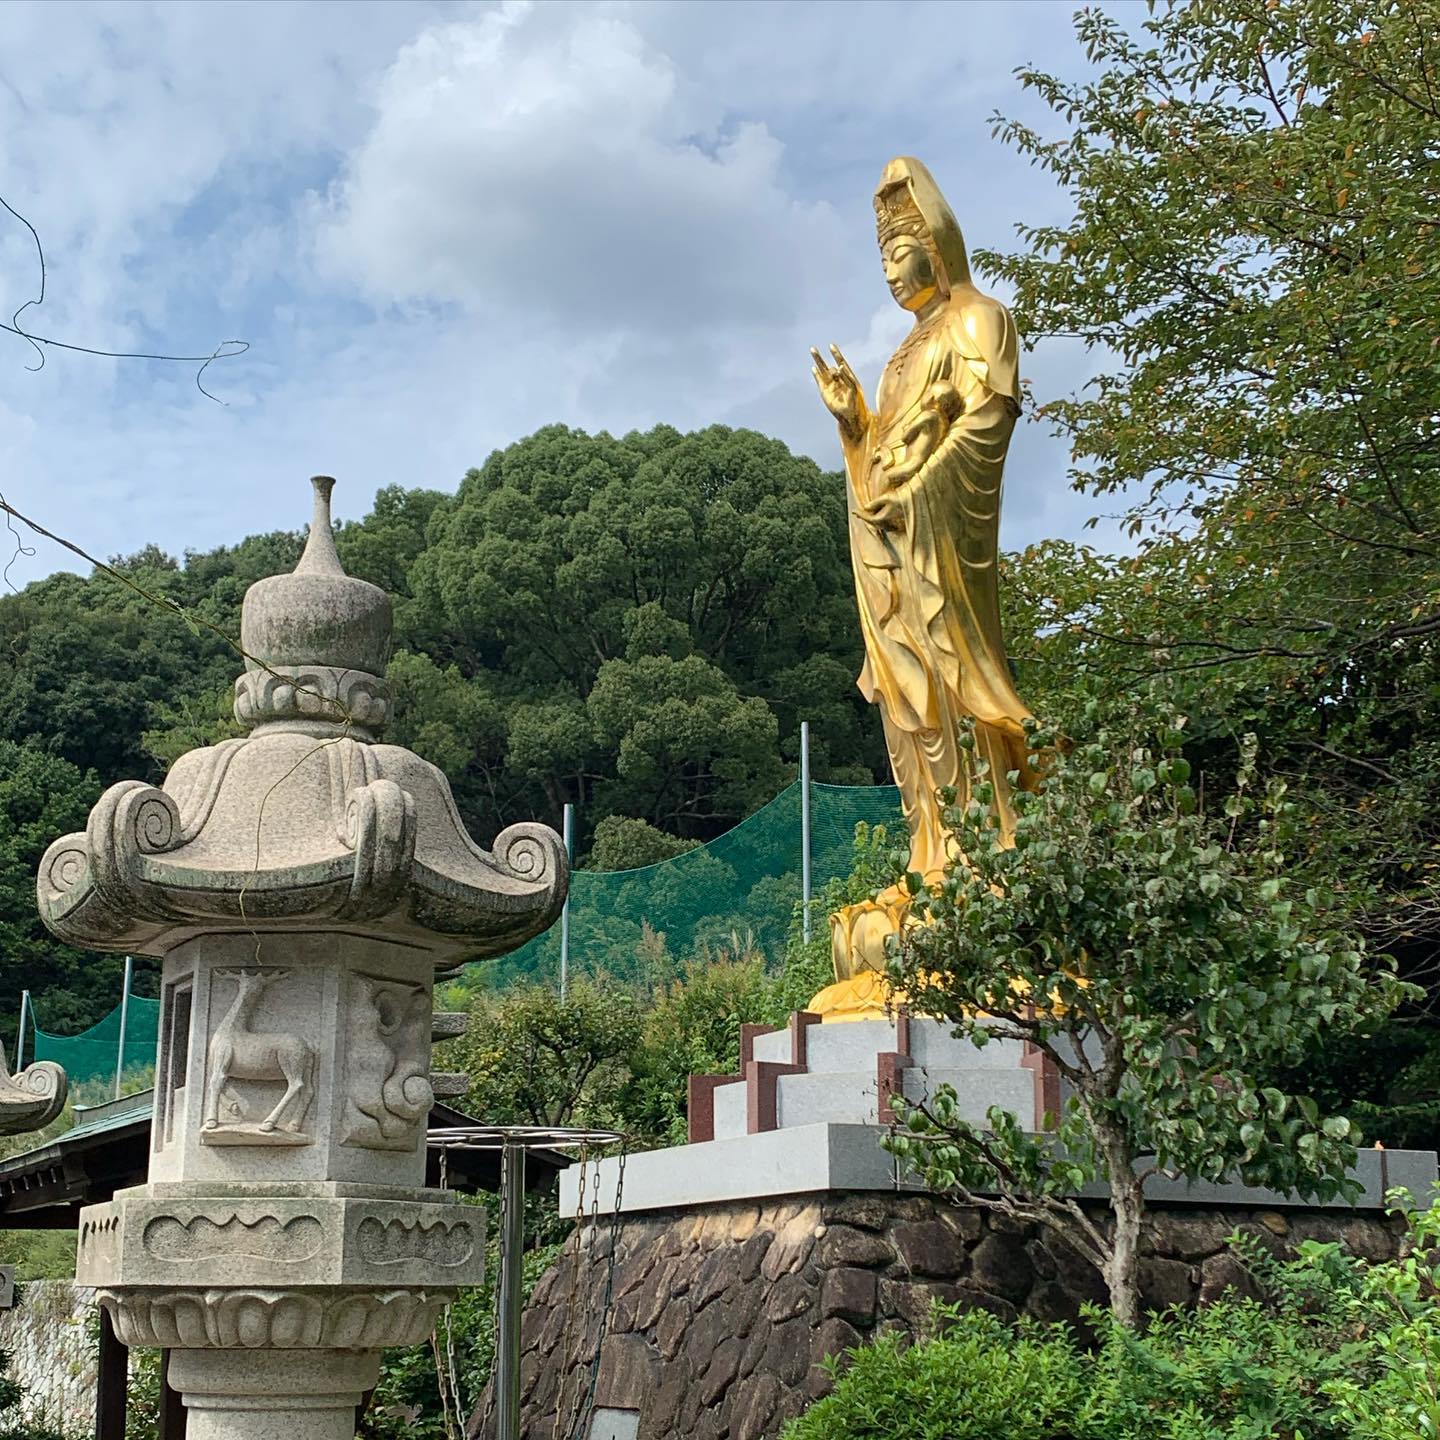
<point x="976" y="1090"/>
<point x="730" y="1111"/>
<point x="447" y="1024"/>
<point x="853" y="1096"/>
<point x="849" y="1045"/>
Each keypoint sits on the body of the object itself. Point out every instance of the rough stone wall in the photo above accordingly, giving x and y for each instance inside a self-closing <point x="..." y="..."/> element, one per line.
<point x="720" y="1317"/>
<point x="52" y="1338"/>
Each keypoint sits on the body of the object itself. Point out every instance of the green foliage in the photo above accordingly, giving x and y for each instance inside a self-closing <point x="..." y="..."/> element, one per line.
<point x="693" y="1028"/>
<point x="1250" y="262"/>
<point x="535" y="1060"/>
<point x="39" y="1254"/>
<point x="1332" y="1349"/>
<point x="1251" y="242"/>
<point x="42" y="796"/>
<point x="976" y="1381"/>
<point x="142" y="1396"/>
<point x="624" y="843"/>
<point x="1160" y="956"/>
<point x="1397" y="1303"/>
<point x="646" y="612"/>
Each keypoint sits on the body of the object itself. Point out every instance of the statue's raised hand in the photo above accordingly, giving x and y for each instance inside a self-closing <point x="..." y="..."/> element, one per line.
<point x="840" y="390"/>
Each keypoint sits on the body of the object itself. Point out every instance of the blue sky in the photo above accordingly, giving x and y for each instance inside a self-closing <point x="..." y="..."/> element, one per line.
<point x="440" y="226"/>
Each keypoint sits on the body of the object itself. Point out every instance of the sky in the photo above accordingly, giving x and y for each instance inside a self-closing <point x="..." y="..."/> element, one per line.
<point x="441" y="226"/>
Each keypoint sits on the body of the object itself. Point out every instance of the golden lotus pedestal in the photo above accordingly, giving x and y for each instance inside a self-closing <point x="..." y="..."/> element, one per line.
<point x="858" y="936"/>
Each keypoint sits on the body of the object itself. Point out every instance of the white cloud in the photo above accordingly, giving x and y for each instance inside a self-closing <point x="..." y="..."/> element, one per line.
<point x="445" y="225"/>
<point x="550" y="162"/>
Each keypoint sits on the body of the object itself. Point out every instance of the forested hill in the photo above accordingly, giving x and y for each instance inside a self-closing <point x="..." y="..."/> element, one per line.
<point x="638" y="626"/>
<point x="634" y="625"/>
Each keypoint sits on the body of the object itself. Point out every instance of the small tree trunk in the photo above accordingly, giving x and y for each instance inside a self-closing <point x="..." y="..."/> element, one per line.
<point x="1122" y="1268"/>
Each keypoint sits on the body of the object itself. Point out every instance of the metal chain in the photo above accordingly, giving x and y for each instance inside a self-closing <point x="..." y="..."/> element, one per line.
<point x="445" y="1415"/>
<point x="447" y="1370"/>
<point x="567" y="1342"/>
<point x="606" y="1304"/>
<point x="584" y="1224"/>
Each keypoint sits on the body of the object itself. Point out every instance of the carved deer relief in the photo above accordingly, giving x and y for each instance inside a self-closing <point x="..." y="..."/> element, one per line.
<point x="239" y="1052"/>
<point x="387" y="1081"/>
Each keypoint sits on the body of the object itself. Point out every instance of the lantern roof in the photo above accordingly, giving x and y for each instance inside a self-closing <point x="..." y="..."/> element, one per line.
<point x="307" y="821"/>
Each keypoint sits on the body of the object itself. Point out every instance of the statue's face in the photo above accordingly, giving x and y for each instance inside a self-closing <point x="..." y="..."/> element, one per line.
<point x="908" y="271"/>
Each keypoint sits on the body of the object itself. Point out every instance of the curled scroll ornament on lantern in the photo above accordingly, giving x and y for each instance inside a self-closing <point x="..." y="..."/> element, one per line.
<point x="533" y="853"/>
<point x="380" y="829"/>
<point x="100" y="871"/>
<point x="31" y="1099"/>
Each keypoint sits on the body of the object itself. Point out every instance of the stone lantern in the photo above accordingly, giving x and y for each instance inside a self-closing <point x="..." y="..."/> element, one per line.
<point x="303" y="885"/>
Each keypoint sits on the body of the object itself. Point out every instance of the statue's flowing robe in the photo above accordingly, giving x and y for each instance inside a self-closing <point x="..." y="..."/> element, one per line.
<point x="928" y="593"/>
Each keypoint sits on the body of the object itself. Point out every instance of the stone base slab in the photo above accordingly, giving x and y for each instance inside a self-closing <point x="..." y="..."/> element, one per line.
<point x="809" y="1159"/>
<point x="179" y="1239"/>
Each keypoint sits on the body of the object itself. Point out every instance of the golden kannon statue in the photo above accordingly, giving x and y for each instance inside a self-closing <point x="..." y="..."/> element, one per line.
<point x="923" y="472"/>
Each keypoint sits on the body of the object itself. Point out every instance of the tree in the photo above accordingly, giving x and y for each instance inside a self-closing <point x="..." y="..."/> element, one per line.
<point x="1160" y="959"/>
<point x="1253" y="247"/>
<point x="651" y="614"/>
<point x="1250" y="263"/>
<point x="41" y="798"/>
<point x="625" y="844"/>
<point x="534" y="1059"/>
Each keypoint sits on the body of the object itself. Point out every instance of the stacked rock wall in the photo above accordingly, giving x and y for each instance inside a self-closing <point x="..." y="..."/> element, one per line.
<point x="51" y="1338"/>
<point x="719" y="1318"/>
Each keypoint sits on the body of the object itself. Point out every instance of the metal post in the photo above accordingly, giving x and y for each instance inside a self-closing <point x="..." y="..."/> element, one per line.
<point x="124" y="1019"/>
<point x="805" y="827"/>
<point x="569" y="837"/>
<point x="172" y="1408"/>
<point x="20" y="1039"/>
<point x="112" y="1368"/>
<point x="512" y="1274"/>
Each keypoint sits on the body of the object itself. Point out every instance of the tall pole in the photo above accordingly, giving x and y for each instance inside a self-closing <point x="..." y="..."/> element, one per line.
<point x="805" y="827"/>
<point x="569" y="837"/>
<point x="20" y="1039"/>
<point x="512" y="1273"/>
<point x="124" y="1019"/>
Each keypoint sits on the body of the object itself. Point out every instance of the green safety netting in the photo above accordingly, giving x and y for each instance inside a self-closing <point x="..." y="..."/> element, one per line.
<point x="94" y="1053"/>
<point x="744" y="884"/>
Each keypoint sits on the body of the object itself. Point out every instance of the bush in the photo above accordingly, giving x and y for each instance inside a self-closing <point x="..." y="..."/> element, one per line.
<point x="1331" y="1349"/>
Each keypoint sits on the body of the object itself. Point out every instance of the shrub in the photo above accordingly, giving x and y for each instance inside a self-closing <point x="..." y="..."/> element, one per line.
<point x="1331" y="1349"/>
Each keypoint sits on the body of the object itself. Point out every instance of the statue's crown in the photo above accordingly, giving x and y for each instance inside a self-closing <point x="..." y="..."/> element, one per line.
<point x="897" y="214"/>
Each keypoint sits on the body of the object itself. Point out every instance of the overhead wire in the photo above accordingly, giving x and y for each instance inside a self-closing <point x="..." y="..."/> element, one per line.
<point x="220" y="352"/>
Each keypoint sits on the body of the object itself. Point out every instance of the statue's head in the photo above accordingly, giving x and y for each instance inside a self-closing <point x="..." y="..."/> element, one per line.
<point x="910" y="270"/>
<point x="920" y="241"/>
